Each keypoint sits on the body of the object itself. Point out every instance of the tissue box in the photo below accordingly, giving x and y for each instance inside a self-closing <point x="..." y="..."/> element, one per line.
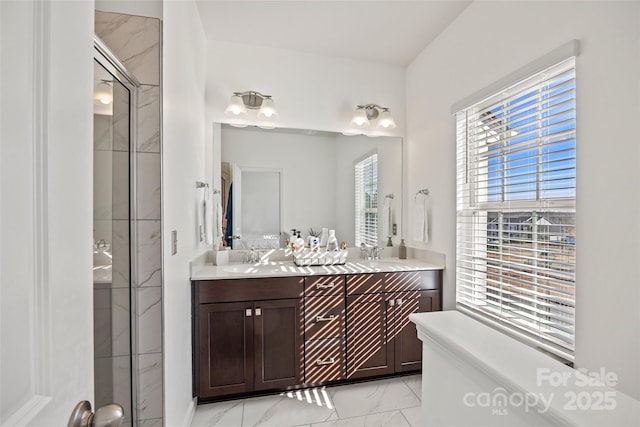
<point x="220" y="257"/>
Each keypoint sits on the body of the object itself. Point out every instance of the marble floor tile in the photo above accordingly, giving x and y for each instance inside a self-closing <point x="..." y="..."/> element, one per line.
<point x="383" y="419"/>
<point x="283" y="410"/>
<point x="220" y="414"/>
<point x="372" y="397"/>
<point x="389" y="403"/>
<point x="414" y="382"/>
<point x="413" y="415"/>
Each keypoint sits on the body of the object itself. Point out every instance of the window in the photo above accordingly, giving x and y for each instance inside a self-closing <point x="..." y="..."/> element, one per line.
<point x="366" y="174"/>
<point x="516" y="205"/>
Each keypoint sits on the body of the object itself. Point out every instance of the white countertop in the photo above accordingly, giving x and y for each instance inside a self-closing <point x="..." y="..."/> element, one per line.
<point x="203" y="269"/>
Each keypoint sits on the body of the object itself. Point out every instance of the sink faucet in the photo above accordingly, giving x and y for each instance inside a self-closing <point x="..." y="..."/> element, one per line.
<point x="251" y="257"/>
<point x="370" y="252"/>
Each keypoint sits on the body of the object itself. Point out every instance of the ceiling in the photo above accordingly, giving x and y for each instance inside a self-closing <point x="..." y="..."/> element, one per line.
<point x="391" y="32"/>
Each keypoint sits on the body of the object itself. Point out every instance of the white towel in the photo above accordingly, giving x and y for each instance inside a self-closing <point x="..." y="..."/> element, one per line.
<point x="218" y="222"/>
<point x="208" y="220"/>
<point x="387" y="219"/>
<point x="200" y="209"/>
<point x="421" y="218"/>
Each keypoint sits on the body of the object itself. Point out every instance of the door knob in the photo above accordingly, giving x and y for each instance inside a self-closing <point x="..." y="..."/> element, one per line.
<point x="110" y="415"/>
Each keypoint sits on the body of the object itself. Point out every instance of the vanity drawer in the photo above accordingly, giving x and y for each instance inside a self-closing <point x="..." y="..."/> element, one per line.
<point x="256" y="289"/>
<point x="324" y="285"/>
<point x="412" y="280"/>
<point x="324" y="317"/>
<point x="365" y="283"/>
<point x="324" y="361"/>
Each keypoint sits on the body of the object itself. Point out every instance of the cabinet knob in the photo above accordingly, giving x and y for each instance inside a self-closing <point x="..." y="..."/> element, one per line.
<point x="329" y="361"/>
<point x="248" y="312"/>
<point x="391" y="303"/>
<point x="399" y="301"/>
<point x="258" y="311"/>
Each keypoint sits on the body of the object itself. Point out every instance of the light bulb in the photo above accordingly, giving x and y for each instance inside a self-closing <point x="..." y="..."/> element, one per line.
<point x="386" y="121"/>
<point x="268" y="109"/>
<point x="104" y="93"/>
<point x="236" y="107"/>
<point x="360" y="118"/>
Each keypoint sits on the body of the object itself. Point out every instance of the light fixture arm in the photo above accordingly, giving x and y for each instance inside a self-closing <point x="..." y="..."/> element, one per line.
<point x="372" y="110"/>
<point x="252" y="99"/>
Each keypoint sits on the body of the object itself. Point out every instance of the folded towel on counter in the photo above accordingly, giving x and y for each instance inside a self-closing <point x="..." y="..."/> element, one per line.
<point x="421" y="218"/>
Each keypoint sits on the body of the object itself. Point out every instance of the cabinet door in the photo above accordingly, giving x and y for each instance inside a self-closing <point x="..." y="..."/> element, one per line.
<point x="279" y="349"/>
<point x="407" y="346"/>
<point x="225" y="349"/>
<point x="369" y="349"/>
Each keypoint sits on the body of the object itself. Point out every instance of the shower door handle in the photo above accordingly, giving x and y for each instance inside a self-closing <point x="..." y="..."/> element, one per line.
<point x="110" y="415"/>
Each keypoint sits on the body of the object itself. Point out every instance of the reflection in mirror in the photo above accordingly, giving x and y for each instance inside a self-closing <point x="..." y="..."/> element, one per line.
<point x="318" y="187"/>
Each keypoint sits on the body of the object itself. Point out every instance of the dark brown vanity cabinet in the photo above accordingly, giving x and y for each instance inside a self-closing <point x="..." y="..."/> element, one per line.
<point x="284" y="332"/>
<point x="324" y="329"/>
<point x="380" y="338"/>
<point x="248" y="345"/>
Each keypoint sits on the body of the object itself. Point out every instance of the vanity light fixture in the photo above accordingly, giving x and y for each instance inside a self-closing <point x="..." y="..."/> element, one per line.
<point x="252" y="100"/>
<point x="365" y="114"/>
<point x="104" y="92"/>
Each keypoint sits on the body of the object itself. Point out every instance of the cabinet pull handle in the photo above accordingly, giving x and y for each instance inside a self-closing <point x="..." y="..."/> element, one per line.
<point x="325" y="285"/>
<point x="321" y="362"/>
<point x="399" y="301"/>
<point x="326" y="318"/>
<point x="247" y="312"/>
<point x="258" y="311"/>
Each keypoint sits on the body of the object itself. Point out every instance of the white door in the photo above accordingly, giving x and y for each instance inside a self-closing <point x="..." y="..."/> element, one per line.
<point x="46" y="71"/>
<point x="257" y="207"/>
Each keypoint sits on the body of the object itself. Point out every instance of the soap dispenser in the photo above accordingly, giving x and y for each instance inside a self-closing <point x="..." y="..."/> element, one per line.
<point x="332" y="242"/>
<point x="402" y="250"/>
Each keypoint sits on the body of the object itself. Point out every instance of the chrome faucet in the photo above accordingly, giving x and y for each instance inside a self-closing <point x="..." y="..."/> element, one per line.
<point x="251" y="257"/>
<point x="370" y="252"/>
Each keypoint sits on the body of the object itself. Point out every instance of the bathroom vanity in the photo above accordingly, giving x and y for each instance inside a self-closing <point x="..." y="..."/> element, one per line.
<point x="278" y="327"/>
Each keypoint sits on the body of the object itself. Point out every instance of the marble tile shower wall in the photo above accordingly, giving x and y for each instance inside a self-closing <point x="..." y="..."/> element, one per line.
<point x="135" y="40"/>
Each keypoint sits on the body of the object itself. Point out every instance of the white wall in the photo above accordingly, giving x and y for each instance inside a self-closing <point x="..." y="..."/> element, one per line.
<point x="183" y="163"/>
<point x="608" y="78"/>
<point x="293" y="154"/>
<point x="148" y="8"/>
<point x="309" y="91"/>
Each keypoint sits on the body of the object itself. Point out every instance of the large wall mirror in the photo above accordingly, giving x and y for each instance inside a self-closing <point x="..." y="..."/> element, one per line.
<point x="302" y="179"/>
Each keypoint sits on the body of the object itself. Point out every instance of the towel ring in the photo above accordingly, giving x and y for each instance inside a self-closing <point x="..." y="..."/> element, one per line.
<point x="424" y="192"/>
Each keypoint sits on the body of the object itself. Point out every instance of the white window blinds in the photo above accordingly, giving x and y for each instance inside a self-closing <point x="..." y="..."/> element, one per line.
<point x="366" y="191"/>
<point x="516" y="198"/>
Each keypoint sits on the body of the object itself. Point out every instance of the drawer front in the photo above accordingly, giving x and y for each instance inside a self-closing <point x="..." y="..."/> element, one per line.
<point x="365" y="283"/>
<point x="324" y="361"/>
<point x="412" y="280"/>
<point x="324" y="285"/>
<point x="324" y="317"/>
<point x="257" y="289"/>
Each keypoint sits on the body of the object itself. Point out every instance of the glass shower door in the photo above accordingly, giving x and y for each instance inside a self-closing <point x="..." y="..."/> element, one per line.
<point x="112" y="241"/>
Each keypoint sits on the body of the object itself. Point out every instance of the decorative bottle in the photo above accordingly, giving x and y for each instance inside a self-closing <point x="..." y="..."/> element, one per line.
<point x="402" y="250"/>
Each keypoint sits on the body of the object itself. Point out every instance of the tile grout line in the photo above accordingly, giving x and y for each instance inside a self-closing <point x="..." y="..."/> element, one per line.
<point x="414" y="393"/>
<point x="367" y="415"/>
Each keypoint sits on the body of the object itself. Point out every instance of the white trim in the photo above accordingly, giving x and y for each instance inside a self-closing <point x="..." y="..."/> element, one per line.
<point x="567" y="50"/>
<point x="41" y="314"/>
